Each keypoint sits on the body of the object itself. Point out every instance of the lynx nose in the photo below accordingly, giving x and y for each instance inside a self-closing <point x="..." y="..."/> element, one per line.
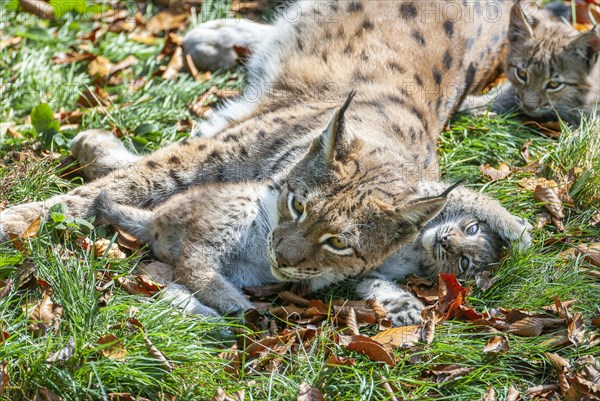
<point x="288" y="256"/>
<point x="445" y="241"/>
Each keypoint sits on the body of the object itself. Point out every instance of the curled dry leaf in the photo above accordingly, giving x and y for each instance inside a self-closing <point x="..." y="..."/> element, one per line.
<point x="308" y="392"/>
<point x="160" y="272"/>
<point x="496" y="345"/>
<point x="112" y="347"/>
<point x="575" y="328"/>
<point x="100" y="66"/>
<point x="591" y="253"/>
<point x="293" y="298"/>
<point x="43" y="394"/>
<point x="166" y="21"/>
<point x="525" y="150"/>
<point x="428" y="332"/>
<point x="340" y="360"/>
<point x="4" y="376"/>
<point x="425" y="289"/>
<point x="552" y="203"/>
<point x="484" y="280"/>
<point x="351" y="322"/>
<point x="5" y="287"/>
<point x="220" y="395"/>
<point x="492" y="173"/>
<point x="156" y="354"/>
<point x="451" y="294"/>
<point x="139" y="285"/>
<point x="108" y="249"/>
<point x="175" y="64"/>
<point x="18" y="239"/>
<point x="399" y="337"/>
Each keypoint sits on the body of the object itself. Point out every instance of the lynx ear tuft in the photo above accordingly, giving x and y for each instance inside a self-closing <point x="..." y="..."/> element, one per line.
<point x="335" y="137"/>
<point x="585" y="47"/>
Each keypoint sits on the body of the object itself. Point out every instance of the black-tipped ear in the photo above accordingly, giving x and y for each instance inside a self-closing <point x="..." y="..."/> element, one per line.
<point x="520" y="27"/>
<point x="585" y="47"/>
<point x="335" y="137"/>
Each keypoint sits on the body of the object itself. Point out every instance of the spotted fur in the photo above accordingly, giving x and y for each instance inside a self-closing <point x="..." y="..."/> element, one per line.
<point x="552" y="70"/>
<point x="355" y="169"/>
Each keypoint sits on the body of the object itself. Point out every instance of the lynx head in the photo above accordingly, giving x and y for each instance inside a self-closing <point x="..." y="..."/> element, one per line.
<point x="342" y="211"/>
<point x="550" y="65"/>
<point x="461" y="245"/>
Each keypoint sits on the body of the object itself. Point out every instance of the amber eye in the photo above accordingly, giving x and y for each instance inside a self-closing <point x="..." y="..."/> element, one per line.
<point x="296" y="206"/>
<point x="464" y="263"/>
<point x="554" y="85"/>
<point x="521" y="74"/>
<point x="337" y="243"/>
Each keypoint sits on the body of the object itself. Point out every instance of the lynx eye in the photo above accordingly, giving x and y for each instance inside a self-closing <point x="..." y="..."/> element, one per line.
<point x="337" y="245"/>
<point x="296" y="206"/>
<point x="554" y="85"/>
<point x="472" y="229"/>
<point x="464" y="263"/>
<point x="521" y="74"/>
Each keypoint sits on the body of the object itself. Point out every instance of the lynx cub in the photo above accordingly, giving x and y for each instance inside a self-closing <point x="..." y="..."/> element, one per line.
<point x="342" y="181"/>
<point x="552" y="70"/>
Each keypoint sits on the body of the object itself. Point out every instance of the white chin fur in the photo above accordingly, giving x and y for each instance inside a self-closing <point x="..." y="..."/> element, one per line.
<point x="428" y="240"/>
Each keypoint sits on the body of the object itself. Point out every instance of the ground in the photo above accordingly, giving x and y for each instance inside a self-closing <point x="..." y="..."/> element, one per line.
<point x="58" y="294"/>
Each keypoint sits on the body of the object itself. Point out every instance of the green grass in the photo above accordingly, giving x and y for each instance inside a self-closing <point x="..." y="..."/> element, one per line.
<point x="529" y="279"/>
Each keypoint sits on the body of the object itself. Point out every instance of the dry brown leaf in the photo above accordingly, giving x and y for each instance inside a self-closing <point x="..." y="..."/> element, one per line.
<point x="4" y="376"/>
<point x="340" y="360"/>
<point x="18" y="240"/>
<point x="104" y="248"/>
<point x="9" y="42"/>
<point x="527" y="327"/>
<point x="541" y="391"/>
<point x="590" y="252"/>
<point x="444" y="373"/>
<point x="112" y="347"/>
<point x="575" y="328"/>
<point x="175" y="64"/>
<point x="489" y="395"/>
<point x="351" y="323"/>
<point x="220" y="395"/>
<point x="43" y="394"/>
<point x="166" y="21"/>
<point x="5" y="287"/>
<point x="139" y="285"/>
<point x="399" y="337"/>
<point x="552" y="203"/>
<point x="596" y="321"/>
<point x="525" y="150"/>
<point x="128" y="241"/>
<point x="484" y="280"/>
<point x="100" y="66"/>
<point x="493" y="173"/>
<point x="294" y="298"/>
<point x="425" y="289"/>
<point x="551" y="128"/>
<point x="127" y="62"/>
<point x="496" y="345"/>
<point x="71" y="57"/>
<point x="533" y="182"/>
<point x="46" y="314"/>
<point x="156" y="354"/>
<point x="512" y="395"/>
<point x="371" y="348"/>
<point x="428" y="332"/>
<point x="308" y="392"/>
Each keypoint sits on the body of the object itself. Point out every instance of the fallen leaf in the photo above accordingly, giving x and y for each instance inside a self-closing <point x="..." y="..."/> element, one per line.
<point x="371" y="348"/>
<point x="451" y="294"/>
<point x="112" y="347"/>
<point x="139" y="285"/>
<point x="106" y="248"/>
<point x="484" y="280"/>
<point x="46" y="314"/>
<point x="265" y="291"/>
<point x="156" y="354"/>
<point x="399" y="337"/>
<point x="340" y="360"/>
<point x="100" y="66"/>
<point x="175" y="64"/>
<point x="38" y="8"/>
<point x="308" y="392"/>
<point x="541" y="391"/>
<point x="18" y="240"/>
<point x="490" y="394"/>
<point x="596" y="321"/>
<point x="71" y="57"/>
<point x="4" y="376"/>
<point x="512" y="395"/>
<point x="9" y="42"/>
<point x="63" y="354"/>
<point x="351" y="323"/>
<point x="527" y="327"/>
<point x="43" y="394"/>
<point x="551" y="128"/>
<point x="493" y="173"/>
<point x="533" y="182"/>
<point x="575" y="328"/>
<point x="294" y="298"/>
<point x="125" y="397"/>
<point x="496" y="345"/>
<point x="591" y="253"/>
<point x="127" y="62"/>
<point x="428" y="332"/>
<point x="444" y="373"/>
<point x="549" y="197"/>
<point x="166" y="21"/>
<point x="525" y="150"/>
<point x="5" y="287"/>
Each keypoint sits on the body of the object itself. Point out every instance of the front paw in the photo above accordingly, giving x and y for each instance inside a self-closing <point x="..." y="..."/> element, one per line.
<point x="17" y="219"/>
<point x="520" y="232"/>
<point x="404" y="311"/>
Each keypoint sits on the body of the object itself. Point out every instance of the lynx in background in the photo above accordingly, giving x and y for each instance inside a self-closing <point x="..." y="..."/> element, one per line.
<point x="552" y="70"/>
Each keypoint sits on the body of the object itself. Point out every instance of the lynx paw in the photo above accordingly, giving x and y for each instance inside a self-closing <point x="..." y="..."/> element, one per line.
<point x="99" y="152"/>
<point x="519" y="231"/>
<point x="180" y="297"/>
<point x="211" y="44"/>
<point x="17" y="219"/>
<point x="404" y="311"/>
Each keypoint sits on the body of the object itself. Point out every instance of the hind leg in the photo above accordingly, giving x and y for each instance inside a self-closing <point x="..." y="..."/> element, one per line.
<point x="99" y="152"/>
